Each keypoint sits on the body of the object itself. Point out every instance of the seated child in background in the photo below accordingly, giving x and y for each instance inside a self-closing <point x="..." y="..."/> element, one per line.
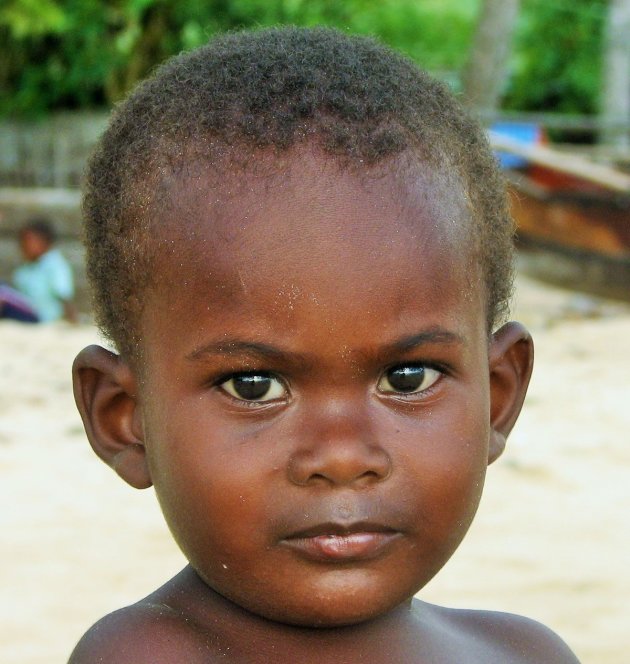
<point x="44" y="285"/>
<point x="301" y="249"/>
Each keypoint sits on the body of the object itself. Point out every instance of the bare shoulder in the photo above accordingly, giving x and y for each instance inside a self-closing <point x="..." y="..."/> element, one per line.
<point x="513" y="638"/>
<point x="145" y="633"/>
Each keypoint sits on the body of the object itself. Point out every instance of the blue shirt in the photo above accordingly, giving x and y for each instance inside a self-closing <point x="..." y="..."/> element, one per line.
<point x="46" y="283"/>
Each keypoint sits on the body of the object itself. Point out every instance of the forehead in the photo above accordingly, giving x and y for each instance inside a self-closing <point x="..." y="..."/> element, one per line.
<point x="276" y="203"/>
<point x="31" y="234"/>
<point x="311" y="229"/>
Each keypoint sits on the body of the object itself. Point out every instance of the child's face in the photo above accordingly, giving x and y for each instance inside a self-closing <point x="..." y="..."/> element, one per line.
<point x="315" y="395"/>
<point x="33" y="245"/>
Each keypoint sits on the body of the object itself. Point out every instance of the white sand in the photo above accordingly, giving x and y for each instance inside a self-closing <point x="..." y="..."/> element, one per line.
<point x="552" y="538"/>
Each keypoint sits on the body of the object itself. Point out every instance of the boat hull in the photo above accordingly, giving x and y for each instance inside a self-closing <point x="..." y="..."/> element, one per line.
<point x="577" y="239"/>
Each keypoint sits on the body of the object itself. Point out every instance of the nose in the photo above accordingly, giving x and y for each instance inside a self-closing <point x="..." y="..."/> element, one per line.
<point x="337" y="445"/>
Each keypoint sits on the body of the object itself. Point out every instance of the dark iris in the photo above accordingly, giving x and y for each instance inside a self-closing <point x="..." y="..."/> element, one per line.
<point x="251" y="386"/>
<point x="406" y="379"/>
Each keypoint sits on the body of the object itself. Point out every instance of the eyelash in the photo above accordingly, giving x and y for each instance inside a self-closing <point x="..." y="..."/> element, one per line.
<point x="411" y="395"/>
<point x="441" y="370"/>
<point x="253" y="403"/>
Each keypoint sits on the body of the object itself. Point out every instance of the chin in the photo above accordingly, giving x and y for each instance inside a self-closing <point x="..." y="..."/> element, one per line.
<point x="330" y="614"/>
<point x="344" y="598"/>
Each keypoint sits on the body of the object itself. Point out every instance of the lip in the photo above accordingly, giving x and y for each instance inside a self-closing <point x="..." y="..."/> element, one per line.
<point x="332" y="542"/>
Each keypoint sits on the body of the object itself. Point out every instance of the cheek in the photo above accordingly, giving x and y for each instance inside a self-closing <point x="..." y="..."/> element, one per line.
<point x="446" y="466"/>
<point x="211" y="485"/>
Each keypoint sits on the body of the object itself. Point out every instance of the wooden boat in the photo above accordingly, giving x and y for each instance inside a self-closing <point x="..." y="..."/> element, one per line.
<point x="573" y="218"/>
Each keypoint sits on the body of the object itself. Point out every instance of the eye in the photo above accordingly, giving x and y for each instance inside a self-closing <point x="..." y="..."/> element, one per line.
<point x="408" y="379"/>
<point x="254" y="387"/>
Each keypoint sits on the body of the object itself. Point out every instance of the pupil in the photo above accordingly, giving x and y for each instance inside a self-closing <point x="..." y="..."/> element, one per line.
<point x="251" y="387"/>
<point x="405" y="379"/>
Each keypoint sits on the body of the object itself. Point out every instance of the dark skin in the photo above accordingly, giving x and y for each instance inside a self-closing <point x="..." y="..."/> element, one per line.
<point x="316" y="405"/>
<point x="34" y="245"/>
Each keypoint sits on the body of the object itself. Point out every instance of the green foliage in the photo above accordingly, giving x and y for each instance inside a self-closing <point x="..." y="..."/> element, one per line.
<point x="557" y="56"/>
<point x="86" y="53"/>
<point x="21" y="18"/>
<point x="57" y="54"/>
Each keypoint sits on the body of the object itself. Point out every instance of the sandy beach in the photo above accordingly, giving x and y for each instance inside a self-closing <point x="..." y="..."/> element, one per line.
<point x="551" y="540"/>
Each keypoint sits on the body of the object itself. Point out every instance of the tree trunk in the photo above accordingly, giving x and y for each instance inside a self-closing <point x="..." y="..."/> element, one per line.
<point x="486" y="70"/>
<point x="615" y="102"/>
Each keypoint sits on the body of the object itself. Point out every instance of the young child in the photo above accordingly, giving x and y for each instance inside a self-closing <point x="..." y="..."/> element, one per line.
<point x="44" y="284"/>
<point x="300" y="247"/>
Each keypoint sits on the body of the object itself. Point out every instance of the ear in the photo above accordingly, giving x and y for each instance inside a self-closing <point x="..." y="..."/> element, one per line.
<point x="106" y="396"/>
<point x="511" y="358"/>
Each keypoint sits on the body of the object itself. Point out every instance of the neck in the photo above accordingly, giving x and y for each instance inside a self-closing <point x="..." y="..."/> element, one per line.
<point x="268" y="640"/>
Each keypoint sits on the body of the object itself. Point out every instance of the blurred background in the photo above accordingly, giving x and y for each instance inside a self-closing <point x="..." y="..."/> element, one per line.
<point x="550" y="79"/>
<point x="541" y="72"/>
<point x="537" y="71"/>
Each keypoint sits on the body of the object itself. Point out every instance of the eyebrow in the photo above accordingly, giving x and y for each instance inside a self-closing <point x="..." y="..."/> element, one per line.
<point x="253" y="349"/>
<point x="435" y="335"/>
<point x="263" y="351"/>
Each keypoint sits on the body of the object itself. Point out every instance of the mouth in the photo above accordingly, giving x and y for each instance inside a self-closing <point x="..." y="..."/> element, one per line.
<point x="333" y="542"/>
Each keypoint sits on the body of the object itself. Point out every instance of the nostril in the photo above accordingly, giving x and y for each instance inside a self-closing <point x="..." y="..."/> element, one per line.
<point x="347" y="464"/>
<point x="316" y="478"/>
<point x="370" y="475"/>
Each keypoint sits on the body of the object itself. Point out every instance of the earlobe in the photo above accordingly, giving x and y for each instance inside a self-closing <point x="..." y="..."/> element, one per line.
<point x="511" y="359"/>
<point x="496" y="446"/>
<point x="105" y="394"/>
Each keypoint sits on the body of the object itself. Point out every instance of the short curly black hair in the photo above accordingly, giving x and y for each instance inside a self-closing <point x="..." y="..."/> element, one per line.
<point x="357" y="100"/>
